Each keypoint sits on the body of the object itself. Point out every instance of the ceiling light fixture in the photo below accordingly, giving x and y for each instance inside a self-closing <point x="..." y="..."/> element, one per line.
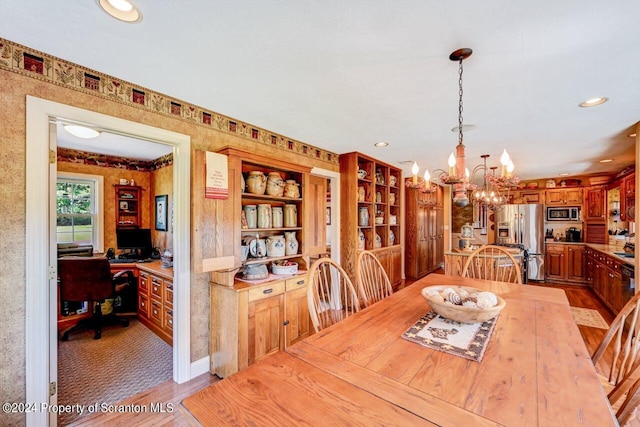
<point x="458" y="174"/>
<point x="81" y="131"/>
<point x="606" y="160"/>
<point x="632" y="135"/>
<point x="123" y="10"/>
<point x="381" y="144"/>
<point x="593" y="102"/>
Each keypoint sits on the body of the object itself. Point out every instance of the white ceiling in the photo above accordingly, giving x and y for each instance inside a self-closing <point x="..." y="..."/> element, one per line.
<point x="345" y="74"/>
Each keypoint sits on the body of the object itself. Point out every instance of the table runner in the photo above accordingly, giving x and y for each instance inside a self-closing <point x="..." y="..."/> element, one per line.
<point x="468" y="340"/>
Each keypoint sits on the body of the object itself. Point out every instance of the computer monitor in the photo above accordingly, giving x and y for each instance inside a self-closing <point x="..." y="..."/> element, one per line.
<point x="136" y="240"/>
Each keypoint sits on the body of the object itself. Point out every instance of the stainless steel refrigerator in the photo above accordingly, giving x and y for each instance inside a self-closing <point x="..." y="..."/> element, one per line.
<point x="524" y="225"/>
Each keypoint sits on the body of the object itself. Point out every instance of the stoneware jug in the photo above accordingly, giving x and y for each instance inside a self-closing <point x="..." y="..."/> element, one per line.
<point x="291" y="243"/>
<point x="363" y="217"/>
<point x="251" y="215"/>
<point x="264" y="215"/>
<point x="275" y="246"/>
<point x="275" y="184"/>
<point x="256" y="182"/>
<point x="290" y="216"/>
<point x="291" y="189"/>
<point x="392" y="198"/>
<point x="360" y="240"/>
<point x="276" y="217"/>
<point x="361" y="194"/>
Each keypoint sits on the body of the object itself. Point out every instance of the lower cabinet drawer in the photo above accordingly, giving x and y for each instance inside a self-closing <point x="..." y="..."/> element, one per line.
<point x="143" y="304"/>
<point x="168" y="320"/>
<point x="266" y="291"/>
<point x="155" y="312"/>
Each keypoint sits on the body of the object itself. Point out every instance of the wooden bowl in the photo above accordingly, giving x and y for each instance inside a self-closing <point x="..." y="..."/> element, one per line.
<point x="460" y="313"/>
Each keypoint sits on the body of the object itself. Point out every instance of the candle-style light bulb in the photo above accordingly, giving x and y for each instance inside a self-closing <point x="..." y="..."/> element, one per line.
<point x="510" y="168"/>
<point x="452" y="164"/>
<point x="466" y="173"/>
<point x="414" y="171"/>
<point x="427" y="176"/>
<point x="504" y="161"/>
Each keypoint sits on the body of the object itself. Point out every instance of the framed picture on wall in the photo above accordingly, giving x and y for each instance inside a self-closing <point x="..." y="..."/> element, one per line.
<point x="161" y="213"/>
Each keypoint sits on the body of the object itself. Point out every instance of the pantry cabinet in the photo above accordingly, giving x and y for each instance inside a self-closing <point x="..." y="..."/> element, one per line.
<point x="424" y="219"/>
<point x="249" y="322"/>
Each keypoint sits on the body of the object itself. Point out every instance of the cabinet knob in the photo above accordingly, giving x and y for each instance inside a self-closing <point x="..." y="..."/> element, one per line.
<point x="286" y="322"/>
<point x="300" y="282"/>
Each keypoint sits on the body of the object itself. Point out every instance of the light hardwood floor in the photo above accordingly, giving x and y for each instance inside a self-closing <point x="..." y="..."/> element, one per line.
<point x="170" y="392"/>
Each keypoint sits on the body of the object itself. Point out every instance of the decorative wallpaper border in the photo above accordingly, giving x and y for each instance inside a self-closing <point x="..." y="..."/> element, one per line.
<point x="23" y="60"/>
<point x="84" y="157"/>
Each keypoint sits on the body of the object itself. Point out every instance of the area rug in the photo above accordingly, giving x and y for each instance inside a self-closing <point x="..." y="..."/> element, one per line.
<point x="468" y="340"/>
<point x="124" y="362"/>
<point x="589" y="317"/>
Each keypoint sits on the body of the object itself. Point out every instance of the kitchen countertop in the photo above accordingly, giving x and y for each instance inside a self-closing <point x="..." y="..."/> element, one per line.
<point x="607" y="249"/>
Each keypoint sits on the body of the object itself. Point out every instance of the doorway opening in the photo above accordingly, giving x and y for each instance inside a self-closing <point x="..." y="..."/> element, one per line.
<point x="41" y="277"/>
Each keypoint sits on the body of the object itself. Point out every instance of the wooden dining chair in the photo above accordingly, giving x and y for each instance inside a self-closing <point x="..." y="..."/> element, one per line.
<point x="628" y="414"/>
<point x="330" y="294"/>
<point x="492" y="262"/>
<point x="371" y="279"/>
<point x="617" y="357"/>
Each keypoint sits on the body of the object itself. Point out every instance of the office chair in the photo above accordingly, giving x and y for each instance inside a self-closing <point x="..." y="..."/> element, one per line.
<point x="90" y="279"/>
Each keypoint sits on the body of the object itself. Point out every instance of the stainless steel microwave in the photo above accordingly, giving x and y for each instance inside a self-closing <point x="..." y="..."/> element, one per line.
<point x="563" y="213"/>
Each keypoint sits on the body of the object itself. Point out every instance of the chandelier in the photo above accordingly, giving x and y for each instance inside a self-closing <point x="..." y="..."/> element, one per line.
<point x="457" y="175"/>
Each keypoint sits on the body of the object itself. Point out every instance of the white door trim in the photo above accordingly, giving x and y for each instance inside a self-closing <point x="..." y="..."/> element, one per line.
<point x="39" y="328"/>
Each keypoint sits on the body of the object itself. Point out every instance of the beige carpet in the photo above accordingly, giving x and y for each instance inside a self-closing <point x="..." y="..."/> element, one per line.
<point x="589" y="317"/>
<point x="125" y="361"/>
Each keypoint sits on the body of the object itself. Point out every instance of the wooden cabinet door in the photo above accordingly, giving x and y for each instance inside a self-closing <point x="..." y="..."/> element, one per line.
<point x="630" y="185"/>
<point x="595" y="203"/>
<point x="616" y="294"/>
<point x="384" y="257"/>
<point x="423" y="257"/>
<point x="555" y="260"/>
<point x="589" y="266"/>
<point x="315" y="234"/>
<point x="297" y="324"/>
<point x="395" y="266"/>
<point x="266" y="317"/>
<point x="575" y="263"/>
<point x="573" y="196"/>
<point x="600" y="280"/>
<point x="554" y="197"/>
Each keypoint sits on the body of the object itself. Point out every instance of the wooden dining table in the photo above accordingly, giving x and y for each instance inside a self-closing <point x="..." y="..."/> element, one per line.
<point x="536" y="371"/>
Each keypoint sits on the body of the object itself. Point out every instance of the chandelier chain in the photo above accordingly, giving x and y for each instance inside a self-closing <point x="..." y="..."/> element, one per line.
<point x="460" y="138"/>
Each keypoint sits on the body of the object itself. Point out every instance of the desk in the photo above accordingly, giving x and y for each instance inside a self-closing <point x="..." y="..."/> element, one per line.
<point x="536" y="369"/>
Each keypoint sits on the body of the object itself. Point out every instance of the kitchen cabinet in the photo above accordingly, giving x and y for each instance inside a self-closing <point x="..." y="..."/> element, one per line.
<point x="627" y="196"/>
<point x="565" y="263"/>
<point x="604" y="275"/>
<point x="528" y="197"/>
<point x="249" y="322"/>
<point x="563" y="197"/>
<point x="128" y="206"/>
<point x="155" y="303"/>
<point x="424" y="219"/>
<point x="371" y="212"/>
<point x="595" y="198"/>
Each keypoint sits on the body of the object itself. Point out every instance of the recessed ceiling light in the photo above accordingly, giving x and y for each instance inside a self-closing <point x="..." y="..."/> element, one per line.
<point x="632" y="135"/>
<point x="465" y="128"/>
<point x="564" y="174"/>
<point x="381" y="144"/>
<point x="123" y="10"/>
<point x="81" y="131"/>
<point x="593" y="102"/>
<point x="606" y="160"/>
